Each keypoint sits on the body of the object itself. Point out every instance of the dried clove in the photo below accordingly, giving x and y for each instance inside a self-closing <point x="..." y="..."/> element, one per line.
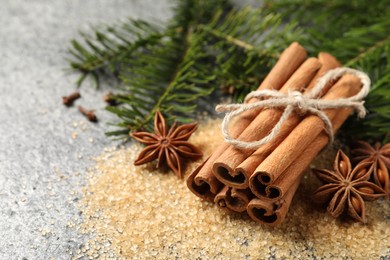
<point x="89" y="114"/>
<point x="68" y="100"/>
<point x="109" y="98"/>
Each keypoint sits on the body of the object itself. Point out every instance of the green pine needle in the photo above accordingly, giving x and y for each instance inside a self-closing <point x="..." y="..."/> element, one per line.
<point x="166" y="78"/>
<point x="103" y="52"/>
<point x="211" y="45"/>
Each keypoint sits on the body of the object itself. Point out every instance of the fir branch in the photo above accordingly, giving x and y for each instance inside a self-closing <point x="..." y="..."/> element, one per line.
<point x="364" y="54"/>
<point x="376" y="61"/>
<point x="188" y="13"/>
<point x="171" y="77"/>
<point x="246" y="44"/>
<point x="168" y="77"/>
<point x="357" y="41"/>
<point x="209" y="44"/>
<point x="329" y="18"/>
<point x="230" y="39"/>
<point x="105" y="51"/>
<point x="357" y="34"/>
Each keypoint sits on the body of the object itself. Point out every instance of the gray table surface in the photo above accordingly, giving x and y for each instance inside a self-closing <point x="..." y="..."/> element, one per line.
<point x="36" y="144"/>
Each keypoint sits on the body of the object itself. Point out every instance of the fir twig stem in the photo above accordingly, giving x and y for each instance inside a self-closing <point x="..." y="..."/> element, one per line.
<point x="118" y="54"/>
<point x="150" y="115"/>
<point x="228" y="38"/>
<point x="367" y="51"/>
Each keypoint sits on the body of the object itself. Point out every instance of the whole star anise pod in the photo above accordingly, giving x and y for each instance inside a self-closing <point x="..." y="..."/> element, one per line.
<point x="379" y="157"/>
<point x="168" y="146"/>
<point x="347" y="188"/>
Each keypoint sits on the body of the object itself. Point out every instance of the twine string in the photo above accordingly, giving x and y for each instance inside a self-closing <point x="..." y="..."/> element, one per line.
<point x="307" y="103"/>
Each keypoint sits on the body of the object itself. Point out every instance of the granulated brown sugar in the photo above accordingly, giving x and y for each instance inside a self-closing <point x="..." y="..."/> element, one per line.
<point x="140" y="212"/>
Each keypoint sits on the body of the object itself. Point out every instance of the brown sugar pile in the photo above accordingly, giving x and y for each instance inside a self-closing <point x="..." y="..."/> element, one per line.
<point x="139" y="212"/>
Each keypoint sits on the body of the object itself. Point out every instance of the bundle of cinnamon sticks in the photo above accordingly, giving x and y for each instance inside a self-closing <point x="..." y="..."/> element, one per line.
<point x="263" y="182"/>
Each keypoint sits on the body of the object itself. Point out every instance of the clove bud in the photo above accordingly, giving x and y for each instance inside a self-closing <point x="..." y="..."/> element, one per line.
<point x="89" y="114"/>
<point x="68" y="100"/>
<point x="109" y="98"/>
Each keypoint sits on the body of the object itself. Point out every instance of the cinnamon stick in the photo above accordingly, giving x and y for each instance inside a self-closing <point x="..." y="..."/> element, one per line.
<point x="294" y="172"/>
<point x="248" y="166"/>
<point x="233" y="199"/>
<point x="202" y="181"/>
<point x="271" y="213"/>
<point x="202" y="189"/>
<point x="283" y="184"/>
<point x="226" y="163"/>
<point x="304" y="134"/>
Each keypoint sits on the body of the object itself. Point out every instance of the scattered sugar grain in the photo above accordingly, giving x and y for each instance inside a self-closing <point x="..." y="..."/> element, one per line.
<point x="140" y="212"/>
<point x="74" y="135"/>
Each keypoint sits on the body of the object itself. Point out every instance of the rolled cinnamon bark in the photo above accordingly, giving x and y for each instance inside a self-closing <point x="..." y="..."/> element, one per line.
<point x="271" y="213"/>
<point x="220" y="198"/>
<point x="202" y="189"/>
<point x="248" y="166"/>
<point x="224" y="166"/>
<point x="233" y="199"/>
<point x="294" y="172"/>
<point x="202" y="181"/>
<point x="283" y="184"/>
<point x="304" y="134"/>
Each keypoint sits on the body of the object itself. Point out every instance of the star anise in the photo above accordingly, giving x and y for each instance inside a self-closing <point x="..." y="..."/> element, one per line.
<point x="168" y="146"/>
<point x="347" y="188"/>
<point x="379" y="157"/>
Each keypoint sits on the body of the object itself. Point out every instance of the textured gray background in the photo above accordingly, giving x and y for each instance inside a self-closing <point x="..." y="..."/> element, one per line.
<point x="39" y="159"/>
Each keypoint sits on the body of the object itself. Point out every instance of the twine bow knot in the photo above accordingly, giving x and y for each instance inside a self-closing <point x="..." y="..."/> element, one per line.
<point x="301" y="101"/>
<point x="296" y="101"/>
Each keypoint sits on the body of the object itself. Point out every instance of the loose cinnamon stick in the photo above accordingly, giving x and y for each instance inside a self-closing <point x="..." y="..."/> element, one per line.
<point x="271" y="213"/>
<point x="248" y="166"/>
<point x="226" y="163"/>
<point x="202" y="181"/>
<point x="304" y="134"/>
<point x="233" y="199"/>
